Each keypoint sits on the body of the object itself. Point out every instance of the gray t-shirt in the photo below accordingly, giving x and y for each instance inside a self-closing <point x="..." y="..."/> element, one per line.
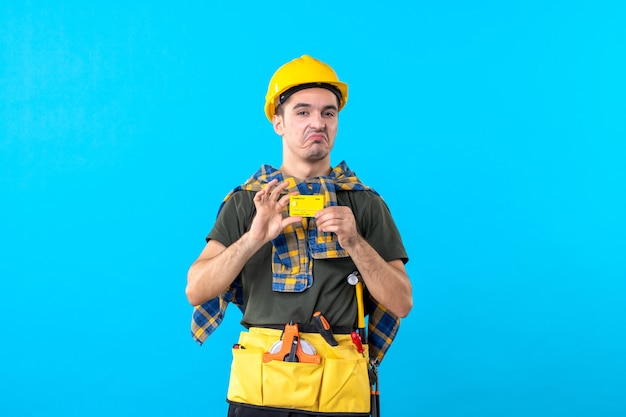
<point x="330" y="293"/>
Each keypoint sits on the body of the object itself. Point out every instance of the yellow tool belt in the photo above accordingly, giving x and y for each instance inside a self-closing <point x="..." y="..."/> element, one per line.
<point x="339" y="383"/>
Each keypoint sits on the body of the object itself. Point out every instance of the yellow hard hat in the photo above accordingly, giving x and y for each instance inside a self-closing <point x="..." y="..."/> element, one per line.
<point x="303" y="72"/>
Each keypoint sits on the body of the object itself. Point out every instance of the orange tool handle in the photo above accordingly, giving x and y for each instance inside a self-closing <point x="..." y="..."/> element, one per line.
<point x="318" y="316"/>
<point x="324" y="328"/>
<point x="291" y="336"/>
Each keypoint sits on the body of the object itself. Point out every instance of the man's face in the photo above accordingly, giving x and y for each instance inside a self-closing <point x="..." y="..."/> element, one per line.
<point x="308" y="125"/>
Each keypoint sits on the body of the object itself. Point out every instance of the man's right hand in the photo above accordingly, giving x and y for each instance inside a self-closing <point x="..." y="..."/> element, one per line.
<point x="218" y="265"/>
<point x="269" y="221"/>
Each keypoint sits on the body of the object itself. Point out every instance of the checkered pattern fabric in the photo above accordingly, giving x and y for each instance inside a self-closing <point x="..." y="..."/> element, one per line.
<point x="293" y="253"/>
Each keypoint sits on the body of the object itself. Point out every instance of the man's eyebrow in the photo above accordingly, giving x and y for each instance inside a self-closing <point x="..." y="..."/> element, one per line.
<point x="298" y="105"/>
<point x="307" y="105"/>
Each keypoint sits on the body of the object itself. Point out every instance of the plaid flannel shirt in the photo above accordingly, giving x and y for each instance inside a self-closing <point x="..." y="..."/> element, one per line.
<point x="293" y="252"/>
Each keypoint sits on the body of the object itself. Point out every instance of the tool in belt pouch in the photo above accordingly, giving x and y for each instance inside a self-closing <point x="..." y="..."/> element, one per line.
<point x="283" y="370"/>
<point x="359" y="337"/>
<point x="292" y="348"/>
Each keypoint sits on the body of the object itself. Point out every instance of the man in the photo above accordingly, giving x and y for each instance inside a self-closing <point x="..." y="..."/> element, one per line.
<point x="289" y="273"/>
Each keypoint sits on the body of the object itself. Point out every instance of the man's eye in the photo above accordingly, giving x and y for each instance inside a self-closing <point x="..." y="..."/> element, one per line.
<point x="301" y="113"/>
<point x="329" y="114"/>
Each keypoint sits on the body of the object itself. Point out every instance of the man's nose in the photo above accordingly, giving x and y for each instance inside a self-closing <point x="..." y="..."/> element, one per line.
<point x="317" y="121"/>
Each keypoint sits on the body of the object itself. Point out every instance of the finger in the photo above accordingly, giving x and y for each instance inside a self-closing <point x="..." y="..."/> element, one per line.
<point x="273" y="190"/>
<point x="266" y="190"/>
<point x="269" y="187"/>
<point x="278" y="190"/>
<point x="287" y="221"/>
<point x="284" y="200"/>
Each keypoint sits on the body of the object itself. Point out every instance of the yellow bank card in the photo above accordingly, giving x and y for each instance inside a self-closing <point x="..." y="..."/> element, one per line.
<point x="305" y="205"/>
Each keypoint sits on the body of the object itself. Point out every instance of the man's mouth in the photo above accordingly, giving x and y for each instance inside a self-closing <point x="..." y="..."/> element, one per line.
<point x="317" y="137"/>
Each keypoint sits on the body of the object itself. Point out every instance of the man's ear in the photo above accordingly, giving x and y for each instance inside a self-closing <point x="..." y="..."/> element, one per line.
<point x="279" y="127"/>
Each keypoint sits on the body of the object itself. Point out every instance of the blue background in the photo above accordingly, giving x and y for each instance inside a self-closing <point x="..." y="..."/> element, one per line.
<point x="494" y="131"/>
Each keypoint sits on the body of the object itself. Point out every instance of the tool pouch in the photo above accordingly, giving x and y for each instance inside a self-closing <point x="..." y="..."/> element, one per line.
<point x="339" y="383"/>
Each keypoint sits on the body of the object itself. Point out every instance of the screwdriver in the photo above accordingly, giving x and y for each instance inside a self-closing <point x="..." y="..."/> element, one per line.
<point x="356" y="339"/>
<point x="324" y="328"/>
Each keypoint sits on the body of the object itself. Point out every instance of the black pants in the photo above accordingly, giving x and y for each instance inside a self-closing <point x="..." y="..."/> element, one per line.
<point x="237" y="410"/>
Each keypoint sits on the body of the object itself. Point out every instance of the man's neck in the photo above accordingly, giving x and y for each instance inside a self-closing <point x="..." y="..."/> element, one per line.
<point x="306" y="170"/>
